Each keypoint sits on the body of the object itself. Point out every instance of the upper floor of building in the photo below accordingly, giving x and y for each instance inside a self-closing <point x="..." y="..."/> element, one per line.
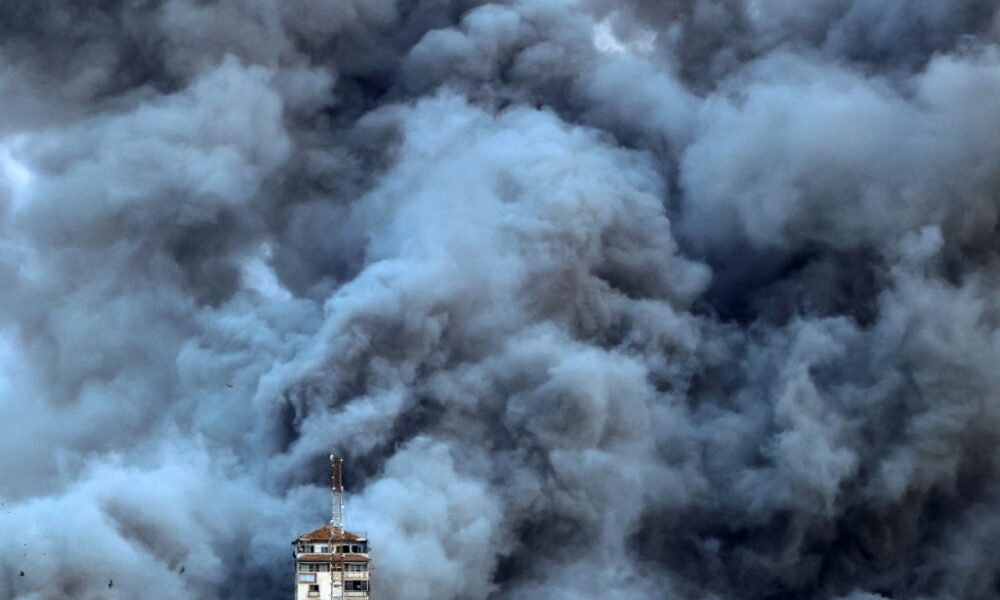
<point x="329" y="540"/>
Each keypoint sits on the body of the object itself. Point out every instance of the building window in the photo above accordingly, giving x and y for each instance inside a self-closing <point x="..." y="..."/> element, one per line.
<point x="314" y="567"/>
<point x="314" y="591"/>
<point x="307" y="578"/>
<point x="356" y="586"/>
<point x="357" y="567"/>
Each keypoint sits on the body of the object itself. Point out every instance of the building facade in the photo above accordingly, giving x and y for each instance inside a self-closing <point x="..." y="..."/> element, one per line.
<point x="332" y="563"/>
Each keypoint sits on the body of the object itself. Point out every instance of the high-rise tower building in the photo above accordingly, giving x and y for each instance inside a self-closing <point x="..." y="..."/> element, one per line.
<point x="332" y="563"/>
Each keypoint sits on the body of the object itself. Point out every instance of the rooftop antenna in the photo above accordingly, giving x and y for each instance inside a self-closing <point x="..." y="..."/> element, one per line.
<point x="337" y="517"/>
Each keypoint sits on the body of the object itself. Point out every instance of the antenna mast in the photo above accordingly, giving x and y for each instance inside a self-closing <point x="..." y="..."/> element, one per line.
<point x="337" y="517"/>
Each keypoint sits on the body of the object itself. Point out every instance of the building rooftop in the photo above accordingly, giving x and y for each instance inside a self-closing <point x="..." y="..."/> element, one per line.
<point x="325" y="533"/>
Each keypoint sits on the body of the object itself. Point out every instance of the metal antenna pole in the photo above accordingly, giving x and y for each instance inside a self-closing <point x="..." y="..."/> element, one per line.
<point x="337" y="514"/>
<point x="337" y="522"/>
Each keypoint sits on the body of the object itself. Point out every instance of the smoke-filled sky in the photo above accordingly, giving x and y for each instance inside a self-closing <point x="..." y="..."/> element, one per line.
<point x="634" y="299"/>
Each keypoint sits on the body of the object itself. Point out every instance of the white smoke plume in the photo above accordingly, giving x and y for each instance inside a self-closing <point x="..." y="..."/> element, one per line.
<point x="674" y="299"/>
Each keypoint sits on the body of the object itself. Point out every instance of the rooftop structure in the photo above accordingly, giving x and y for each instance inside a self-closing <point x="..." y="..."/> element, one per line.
<point x="332" y="563"/>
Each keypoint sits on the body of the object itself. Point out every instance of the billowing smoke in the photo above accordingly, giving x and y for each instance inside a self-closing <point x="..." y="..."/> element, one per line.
<point x="637" y="299"/>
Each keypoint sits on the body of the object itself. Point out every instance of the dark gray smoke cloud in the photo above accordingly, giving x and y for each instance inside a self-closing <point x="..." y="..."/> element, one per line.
<point x="677" y="299"/>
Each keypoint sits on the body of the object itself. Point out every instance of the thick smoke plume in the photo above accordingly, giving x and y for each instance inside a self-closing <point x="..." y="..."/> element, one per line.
<point x="637" y="300"/>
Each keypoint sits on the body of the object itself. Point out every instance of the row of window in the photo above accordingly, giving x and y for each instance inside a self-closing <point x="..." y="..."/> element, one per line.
<point x="350" y="586"/>
<point x="307" y="567"/>
<point x="324" y="548"/>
